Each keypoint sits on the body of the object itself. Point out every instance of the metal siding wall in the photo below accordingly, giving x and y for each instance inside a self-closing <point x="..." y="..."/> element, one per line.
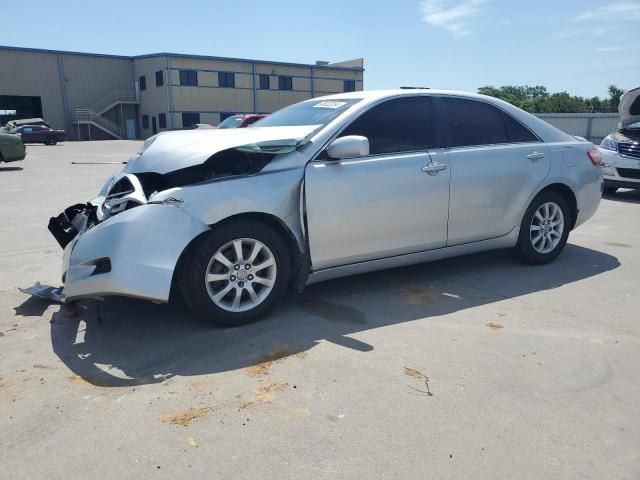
<point x="90" y="79"/>
<point x="201" y="99"/>
<point x="153" y="100"/>
<point x="593" y="126"/>
<point x="207" y="97"/>
<point x="34" y="74"/>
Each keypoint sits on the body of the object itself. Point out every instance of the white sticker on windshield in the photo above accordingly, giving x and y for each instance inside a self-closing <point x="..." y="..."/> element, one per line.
<point x="329" y="104"/>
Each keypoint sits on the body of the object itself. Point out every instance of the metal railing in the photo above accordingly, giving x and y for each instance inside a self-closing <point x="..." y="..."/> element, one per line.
<point x="87" y="115"/>
<point x="114" y="98"/>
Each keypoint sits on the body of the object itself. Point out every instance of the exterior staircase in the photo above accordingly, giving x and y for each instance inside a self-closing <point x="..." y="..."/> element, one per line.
<point x="93" y="116"/>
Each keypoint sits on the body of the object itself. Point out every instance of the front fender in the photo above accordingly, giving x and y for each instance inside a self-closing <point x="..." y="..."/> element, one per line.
<point x="143" y="246"/>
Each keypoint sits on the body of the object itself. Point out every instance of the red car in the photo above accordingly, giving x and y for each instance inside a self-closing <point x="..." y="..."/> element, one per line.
<point x="241" y="121"/>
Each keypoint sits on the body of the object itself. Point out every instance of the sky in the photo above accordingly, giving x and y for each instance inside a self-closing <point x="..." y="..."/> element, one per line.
<point x="580" y="46"/>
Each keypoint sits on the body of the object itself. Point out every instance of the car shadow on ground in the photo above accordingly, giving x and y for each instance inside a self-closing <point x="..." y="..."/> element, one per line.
<point x="138" y="342"/>
<point x="626" y="196"/>
<point x="11" y="169"/>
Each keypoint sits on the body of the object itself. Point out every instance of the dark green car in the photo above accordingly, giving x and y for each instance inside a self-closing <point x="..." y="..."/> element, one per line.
<point x="11" y="147"/>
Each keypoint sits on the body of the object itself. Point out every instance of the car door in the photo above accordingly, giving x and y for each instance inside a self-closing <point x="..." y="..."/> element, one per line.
<point x="393" y="201"/>
<point x="26" y="134"/>
<point x="37" y="134"/>
<point x="496" y="164"/>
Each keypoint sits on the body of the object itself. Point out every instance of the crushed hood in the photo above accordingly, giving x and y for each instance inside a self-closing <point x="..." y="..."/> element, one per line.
<point x="170" y="151"/>
<point x="629" y="107"/>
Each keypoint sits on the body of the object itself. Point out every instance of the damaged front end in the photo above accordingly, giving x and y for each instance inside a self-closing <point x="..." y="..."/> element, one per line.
<point x="128" y="240"/>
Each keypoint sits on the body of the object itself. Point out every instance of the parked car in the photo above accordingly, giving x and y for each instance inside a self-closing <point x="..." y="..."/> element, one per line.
<point x="241" y="121"/>
<point x="11" y="148"/>
<point x="621" y="149"/>
<point x="328" y="187"/>
<point x="24" y="121"/>
<point x="40" y="134"/>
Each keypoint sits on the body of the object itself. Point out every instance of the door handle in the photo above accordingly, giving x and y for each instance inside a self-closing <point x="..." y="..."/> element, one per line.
<point x="434" y="167"/>
<point x="535" y="156"/>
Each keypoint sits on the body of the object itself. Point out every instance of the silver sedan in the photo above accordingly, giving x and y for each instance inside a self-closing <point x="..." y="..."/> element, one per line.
<point x="332" y="186"/>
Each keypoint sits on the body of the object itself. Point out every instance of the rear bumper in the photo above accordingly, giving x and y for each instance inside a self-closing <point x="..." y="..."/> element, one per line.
<point x="132" y="254"/>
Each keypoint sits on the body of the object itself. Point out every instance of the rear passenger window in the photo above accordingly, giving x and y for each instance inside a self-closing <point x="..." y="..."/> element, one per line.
<point x="398" y="125"/>
<point x="474" y="123"/>
<point x="517" y="132"/>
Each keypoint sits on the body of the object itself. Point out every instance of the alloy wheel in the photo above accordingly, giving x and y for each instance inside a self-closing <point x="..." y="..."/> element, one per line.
<point x="547" y="226"/>
<point x="240" y="275"/>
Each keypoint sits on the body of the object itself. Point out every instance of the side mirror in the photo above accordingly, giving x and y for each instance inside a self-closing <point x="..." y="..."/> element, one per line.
<point x="351" y="146"/>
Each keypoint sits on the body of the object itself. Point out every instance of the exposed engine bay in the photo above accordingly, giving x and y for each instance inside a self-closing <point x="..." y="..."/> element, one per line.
<point x="132" y="190"/>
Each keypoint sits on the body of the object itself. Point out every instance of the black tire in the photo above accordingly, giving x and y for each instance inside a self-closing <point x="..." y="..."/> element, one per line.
<point x="193" y="268"/>
<point x="524" y="249"/>
<point x="50" y="141"/>
<point x="609" y="190"/>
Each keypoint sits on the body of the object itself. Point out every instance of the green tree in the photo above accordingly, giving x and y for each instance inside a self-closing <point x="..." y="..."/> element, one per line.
<point x="537" y="99"/>
<point x="614" y="97"/>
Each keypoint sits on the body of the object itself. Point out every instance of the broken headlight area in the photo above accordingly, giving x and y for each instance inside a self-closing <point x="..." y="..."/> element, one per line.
<point x="132" y="190"/>
<point x="72" y="221"/>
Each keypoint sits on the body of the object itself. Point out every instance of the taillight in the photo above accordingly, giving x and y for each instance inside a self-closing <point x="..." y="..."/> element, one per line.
<point x="595" y="157"/>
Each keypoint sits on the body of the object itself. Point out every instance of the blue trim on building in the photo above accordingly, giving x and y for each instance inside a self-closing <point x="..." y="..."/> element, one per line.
<point x="243" y="88"/>
<point x="253" y="84"/>
<point x="181" y="55"/>
<point x="63" y="52"/>
<point x="245" y="60"/>
<point x="270" y="74"/>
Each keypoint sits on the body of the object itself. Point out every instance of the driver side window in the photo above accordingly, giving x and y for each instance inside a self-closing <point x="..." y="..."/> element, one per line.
<point x="402" y="124"/>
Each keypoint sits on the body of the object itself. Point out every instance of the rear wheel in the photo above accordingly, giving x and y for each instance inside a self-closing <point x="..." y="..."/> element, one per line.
<point x="609" y="190"/>
<point x="544" y="230"/>
<point x="236" y="274"/>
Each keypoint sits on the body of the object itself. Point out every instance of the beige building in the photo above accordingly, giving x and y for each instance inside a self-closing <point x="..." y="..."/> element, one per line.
<point x="96" y="96"/>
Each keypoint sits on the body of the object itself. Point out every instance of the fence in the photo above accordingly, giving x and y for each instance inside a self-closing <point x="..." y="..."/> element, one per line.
<point x="592" y="126"/>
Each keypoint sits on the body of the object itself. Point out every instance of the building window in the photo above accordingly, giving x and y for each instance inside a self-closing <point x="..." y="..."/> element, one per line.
<point x="142" y="81"/>
<point x="162" y="120"/>
<point x="189" y="119"/>
<point x="349" y="86"/>
<point x="285" y="83"/>
<point x="265" y="82"/>
<point x="145" y="122"/>
<point x="226" y="80"/>
<point x="159" y="78"/>
<point x="188" y="78"/>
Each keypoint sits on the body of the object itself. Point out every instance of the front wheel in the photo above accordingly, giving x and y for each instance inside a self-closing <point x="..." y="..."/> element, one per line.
<point x="609" y="190"/>
<point x="544" y="230"/>
<point x="235" y="274"/>
<point x="50" y="140"/>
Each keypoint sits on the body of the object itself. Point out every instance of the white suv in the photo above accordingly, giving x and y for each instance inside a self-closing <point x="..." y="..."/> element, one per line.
<point x="621" y="149"/>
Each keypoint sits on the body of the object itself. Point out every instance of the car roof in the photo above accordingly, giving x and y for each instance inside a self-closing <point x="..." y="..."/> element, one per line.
<point x="379" y="94"/>
<point x="544" y="130"/>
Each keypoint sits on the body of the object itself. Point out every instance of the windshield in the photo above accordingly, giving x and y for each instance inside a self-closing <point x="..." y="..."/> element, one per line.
<point x="311" y="112"/>
<point x="231" y="122"/>
<point x="633" y="126"/>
